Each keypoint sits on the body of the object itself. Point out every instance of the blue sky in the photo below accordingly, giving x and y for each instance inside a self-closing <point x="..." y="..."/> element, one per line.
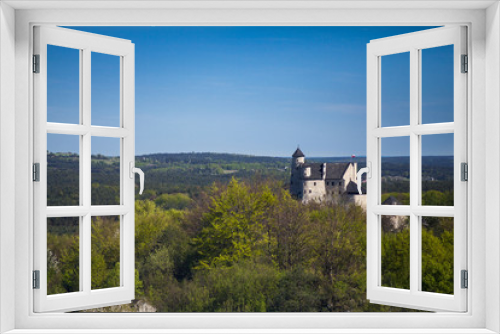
<point x="251" y="90"/>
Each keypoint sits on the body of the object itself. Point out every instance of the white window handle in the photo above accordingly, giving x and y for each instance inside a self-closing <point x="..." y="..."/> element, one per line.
<point x="366" y="170"/>
<point x="134" y="170"/>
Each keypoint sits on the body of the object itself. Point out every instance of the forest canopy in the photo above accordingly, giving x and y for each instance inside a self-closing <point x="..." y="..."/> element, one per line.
<point x="239" y="242"/>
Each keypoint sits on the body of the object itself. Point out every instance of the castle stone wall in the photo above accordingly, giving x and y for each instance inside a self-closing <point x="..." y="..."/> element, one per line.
<point x="296" y="186"/>
<point x="314" y="190"/>
<point x="350" y="174"/>
<point x="359" y="200"/>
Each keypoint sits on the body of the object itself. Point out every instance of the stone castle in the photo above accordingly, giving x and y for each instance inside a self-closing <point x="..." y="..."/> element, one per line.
<point x="316" y="181"/>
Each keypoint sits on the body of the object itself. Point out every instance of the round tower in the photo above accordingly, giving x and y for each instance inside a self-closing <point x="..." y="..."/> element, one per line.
<point x="296" y="186"/>
<point x="297" y="158"/>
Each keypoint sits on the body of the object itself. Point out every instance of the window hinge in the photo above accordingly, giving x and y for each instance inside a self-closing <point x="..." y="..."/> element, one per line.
<point x="465" y="64"/>
<point x="36" y="63"/>
<point x="464" y="171"/>
<point x="465" y="279"/>
<point x="36" y="172"/>
<point x="36" y="279"/>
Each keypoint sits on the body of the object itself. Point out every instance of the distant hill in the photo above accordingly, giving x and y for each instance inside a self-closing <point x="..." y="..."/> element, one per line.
<point x="191" y="172"/>
<point x="209" y="157"/>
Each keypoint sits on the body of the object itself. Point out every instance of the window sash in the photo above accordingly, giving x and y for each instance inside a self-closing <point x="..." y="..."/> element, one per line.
<point x="85" y="298"/>
<point x="413" y="43"/>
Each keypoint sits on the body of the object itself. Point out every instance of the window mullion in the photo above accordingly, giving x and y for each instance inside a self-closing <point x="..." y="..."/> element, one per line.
<point x="85" y="178"/>
<point x="127" y="158"/>
<point x="414" y="170"/>
<point x="434" y="129"/>
<point x="373" y="183"/>
<point x="85" y="246"/>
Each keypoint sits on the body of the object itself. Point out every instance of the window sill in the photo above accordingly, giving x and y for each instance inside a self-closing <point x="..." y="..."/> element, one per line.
<point x="251" y="331"/>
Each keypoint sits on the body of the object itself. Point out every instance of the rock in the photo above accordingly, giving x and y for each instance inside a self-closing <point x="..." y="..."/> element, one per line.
<point x="393" y="223"/>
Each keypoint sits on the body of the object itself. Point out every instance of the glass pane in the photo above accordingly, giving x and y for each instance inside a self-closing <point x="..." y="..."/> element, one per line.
<point x="437" y="170"/>
<point x="105" y="90"/>
<point x="63" y="255"/>
<point x="395" y="90"/>
<point x="105" y="171"/>
<point x="437" y="84"/>
<point x="63" y="85"/>
<point x="396" y="251"/>
<point x="63" y="170"/>
<point x="105" y="252"/>
<point x="437" y="254"/>
<point x="395" y="171"/>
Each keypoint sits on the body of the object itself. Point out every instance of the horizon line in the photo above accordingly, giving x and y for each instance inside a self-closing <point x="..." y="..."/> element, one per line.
<point x="252" y="155"/>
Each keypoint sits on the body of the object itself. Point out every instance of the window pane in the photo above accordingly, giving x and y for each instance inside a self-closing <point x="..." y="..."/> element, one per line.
<point x="395" y="171"/>
<point x="63" y="170"/>
<point x="437" y="84"/>
<point x="105" y="252"/>
<point x="105" y="171"/>
<point x="395" y="91"/>
<point x="105" y="90"/>
<point x="63" y="255"/>
<point x="437" y="170"/>
<point x="437" y="254"/>
<point x="63" y="85"/>
<point x="396" y="252"/>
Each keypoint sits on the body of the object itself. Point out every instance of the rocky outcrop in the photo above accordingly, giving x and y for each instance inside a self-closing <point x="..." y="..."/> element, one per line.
<point x="143" y="306"/>
<point x="137" y="305"/>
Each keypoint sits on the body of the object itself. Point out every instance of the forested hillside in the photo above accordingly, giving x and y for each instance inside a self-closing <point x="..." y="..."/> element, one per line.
<point x="220" y="233"/>
<point x="191" y="172"/>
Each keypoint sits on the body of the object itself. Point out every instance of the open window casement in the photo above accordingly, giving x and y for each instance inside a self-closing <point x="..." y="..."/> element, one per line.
<point x="414" y="295"/>
<point x="83" y="212"/>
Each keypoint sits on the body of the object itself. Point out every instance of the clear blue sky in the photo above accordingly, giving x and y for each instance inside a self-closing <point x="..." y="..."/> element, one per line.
<point x="252" y="90"/>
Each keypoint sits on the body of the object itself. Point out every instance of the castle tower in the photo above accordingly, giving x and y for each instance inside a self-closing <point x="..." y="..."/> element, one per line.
<point x="297" y="158"/>
<point x="296" y="186"/>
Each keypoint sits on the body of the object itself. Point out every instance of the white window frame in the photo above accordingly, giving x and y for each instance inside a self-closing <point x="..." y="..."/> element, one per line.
<point x="483" y="20"/>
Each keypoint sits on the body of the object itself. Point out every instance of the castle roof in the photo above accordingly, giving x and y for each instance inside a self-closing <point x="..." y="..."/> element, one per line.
<point x="298" y="153"/>
<point x="352" y="188"/>
<point x="334" y="171"/>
